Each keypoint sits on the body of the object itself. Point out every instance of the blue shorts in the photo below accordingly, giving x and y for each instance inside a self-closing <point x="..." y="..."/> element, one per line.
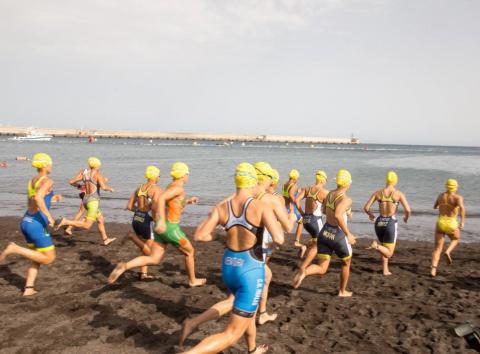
<point x="244" y="276"/>
<point x="35" y="229"/>
<point x="298" y="216"/>
<point x="332" y="239"/>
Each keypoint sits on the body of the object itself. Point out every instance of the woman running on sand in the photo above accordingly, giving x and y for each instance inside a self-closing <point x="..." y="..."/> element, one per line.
<point x="140" y="203"/>
<point x="449" y="204"/>
<point x="388" y="199"/>
<point x="168" y="212"/>
<point x="267" y="181"/>
<point x="35" y="223"/>
<point x="94" y="181"/>
<point x="243" y="267"/>
<point x="335" y="235"/>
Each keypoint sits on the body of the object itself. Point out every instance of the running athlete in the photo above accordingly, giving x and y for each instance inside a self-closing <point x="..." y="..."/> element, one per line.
<point x="290" y="193"/>
<point x="35" y="223"/>
<point x="334" y="236"/>
<point x="312" y="216"/>
<point x="388" y="199"/>
<point x="449" y="204"/>
<point x="168" y="211"/>
<point x="243" y="267"/>
<point x="140" y="203"/>
<point x="265" y="192"/>
<point x="94" y="181"/>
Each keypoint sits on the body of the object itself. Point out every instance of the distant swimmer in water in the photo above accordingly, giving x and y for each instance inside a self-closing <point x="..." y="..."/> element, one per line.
<point x="141" y="203"/>
<point x="168" y="208"/>
<point x="312" y="215"/>
<point x="335" y="237"/>
<point x="243" y="268"/>
<point x="290" y="193"/>
<point x="35" y="222"/>
<point x="94" y="181"/>
<point x="449" y="204"/>
<point x="268" y="179"/>
<point x="388" y="199"/>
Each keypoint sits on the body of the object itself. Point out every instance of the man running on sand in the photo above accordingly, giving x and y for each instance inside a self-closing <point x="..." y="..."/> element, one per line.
<point x="386" y="223"/>
<point x="335" y="235"/>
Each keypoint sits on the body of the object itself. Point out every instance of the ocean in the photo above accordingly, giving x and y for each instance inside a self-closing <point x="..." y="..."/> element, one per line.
<point x="422" y="172"/>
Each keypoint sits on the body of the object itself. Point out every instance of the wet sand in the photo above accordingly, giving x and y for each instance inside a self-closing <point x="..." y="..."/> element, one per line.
<point x="76" y="312"/>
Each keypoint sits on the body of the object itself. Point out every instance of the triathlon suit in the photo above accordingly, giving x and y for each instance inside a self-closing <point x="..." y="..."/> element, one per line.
<point x="35" y="226"/>
<point x="386" y="226"/>
<point x="313" y="221"/>
<point x="243" y="272"/>
<point x="267" y="240"/>
<point x="173" y="235"/>
<point x="448" y="224"/>
<point x="286" y="195"/>
<point x="91" y="201"/>
<point x="331" y="238"/>
<point x="142" y="222"/>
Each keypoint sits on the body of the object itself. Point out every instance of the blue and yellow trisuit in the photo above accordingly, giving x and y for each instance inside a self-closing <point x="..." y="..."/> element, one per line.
<point x="35" y="226"/>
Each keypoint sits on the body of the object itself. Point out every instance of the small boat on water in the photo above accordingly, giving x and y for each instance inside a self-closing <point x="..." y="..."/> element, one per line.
<point x="32" y="136"/>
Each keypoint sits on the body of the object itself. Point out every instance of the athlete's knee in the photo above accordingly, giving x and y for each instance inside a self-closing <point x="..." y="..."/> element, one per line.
<point x="50" y="258"/>
<point x="346" y="262"/>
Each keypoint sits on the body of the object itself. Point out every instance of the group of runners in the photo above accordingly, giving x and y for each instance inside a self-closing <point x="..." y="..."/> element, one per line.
<point x="255" y="219"/>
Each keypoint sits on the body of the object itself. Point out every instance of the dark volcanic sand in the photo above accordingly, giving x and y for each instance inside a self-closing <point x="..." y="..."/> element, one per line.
<point x="75" y="312"/>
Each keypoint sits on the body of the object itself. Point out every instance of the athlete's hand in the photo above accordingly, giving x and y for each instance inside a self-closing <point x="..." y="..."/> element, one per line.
<point x="111" y="190"/>
<point x="351" y="239"/>
<point x="160" y="227"/>
<point x="405" y="219"/>
<point x="51" y="222"/>
<point x="462" y="225"/>
<point x="371" y="216"/>
<point x="193" y="200"/>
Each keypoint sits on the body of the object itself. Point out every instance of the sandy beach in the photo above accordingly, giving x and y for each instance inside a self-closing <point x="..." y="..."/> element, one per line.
<point x="76" y="312"/>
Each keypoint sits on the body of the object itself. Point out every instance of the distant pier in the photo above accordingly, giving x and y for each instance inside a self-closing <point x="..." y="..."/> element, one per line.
<point x="125" y="134"/>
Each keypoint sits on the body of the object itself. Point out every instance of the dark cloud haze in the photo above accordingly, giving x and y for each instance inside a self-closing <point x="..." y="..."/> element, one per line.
<point x="387" y="71"/>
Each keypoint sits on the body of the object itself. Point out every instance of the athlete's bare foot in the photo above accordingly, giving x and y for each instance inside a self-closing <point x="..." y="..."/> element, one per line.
<point x="373" y="246"/>
<point x="345" y="293"/>
<point x="266" y="317"/>
<point x="145" y="276"/>
<point x="433" y="272"/>
<point x="297" y="280"/>
<point x="387" y="273"/>
<point x="187" y="329"/>
<point x="302" y="250"/>
<point x="29" y="291"/>
<point x="108" y="241"/>
<point x="197" y="282"/>
<point x="68" y="231"/>
<point x="260" y="349"/>
<point x="61" y="224"/>
<point x="8" y="251"/>
<point x="449" y="258"/>
<point x="117" y="272"/>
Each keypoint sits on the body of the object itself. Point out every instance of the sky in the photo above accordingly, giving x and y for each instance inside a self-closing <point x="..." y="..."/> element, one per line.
<point x="399" y="71"/>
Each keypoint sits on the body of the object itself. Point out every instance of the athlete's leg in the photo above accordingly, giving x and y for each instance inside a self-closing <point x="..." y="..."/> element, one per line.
<point x="46" y="257"/>
<point x="313" y="269"/>
<point x="78" y="216"/>
<point x="218" y="342"/>
<point x="454" y="239"/>
<point x="157" y="252"/>
<point x="344" y="275"/>
<point x="213" y="313"/>
<point x="439" y="242"/>
<point x="251" y="338"/>
<point x="145" y="250"/>
<point x="264" y="316"/>
<point x="101" y="228"/>
<point x="85" y="224"/>
<point x="187" y="249"/>
<point x="298" y="241"/>
<point x="32" y="273"/>
<point x="311" y="254"/>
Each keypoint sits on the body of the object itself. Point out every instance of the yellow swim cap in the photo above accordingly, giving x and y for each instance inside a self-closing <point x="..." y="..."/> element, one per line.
<point x="275" y="176"/>
<point x="321" y="176"/>
<point x="245" y="176"/>
<point x="41" y="160"/>
<point x="294" y="174"/>
<point x="344" y="178"/>
<point x="152" y="172"/>
<point x="93" y="162"/>
<point x="264" y="171"/>
<point x="392" y="178"/>
<point x="179" y="170"/>
<point x="452" y="185"/>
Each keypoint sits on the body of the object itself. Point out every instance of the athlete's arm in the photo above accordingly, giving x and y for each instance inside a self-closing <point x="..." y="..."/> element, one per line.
<point x="437" y="204"/>
<point x="340" y="210"/>
<point x="406" y="207"/>
<point x="102" y="182"/>
<point x="368" y="206"/>
<point x="281" y="214"/>
<point x="161" y="211"/>
<point x="132" y="200"/>
<point x="78" y="178"/>
<point x="42" y="191"/>
<point x="205" y="229"/>
<point x="297" y="200"/>
<point x="462" y="212"/>
<point x="273" y="227"/>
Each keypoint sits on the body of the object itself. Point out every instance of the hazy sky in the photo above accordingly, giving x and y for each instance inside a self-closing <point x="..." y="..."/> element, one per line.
<point x="405" y="71"/>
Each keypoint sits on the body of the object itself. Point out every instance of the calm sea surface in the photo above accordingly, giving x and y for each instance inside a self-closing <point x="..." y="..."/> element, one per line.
<point x="422" y="173"/>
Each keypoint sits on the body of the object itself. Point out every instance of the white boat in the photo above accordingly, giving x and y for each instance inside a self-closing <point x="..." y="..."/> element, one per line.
<point x="33" y="136"/>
